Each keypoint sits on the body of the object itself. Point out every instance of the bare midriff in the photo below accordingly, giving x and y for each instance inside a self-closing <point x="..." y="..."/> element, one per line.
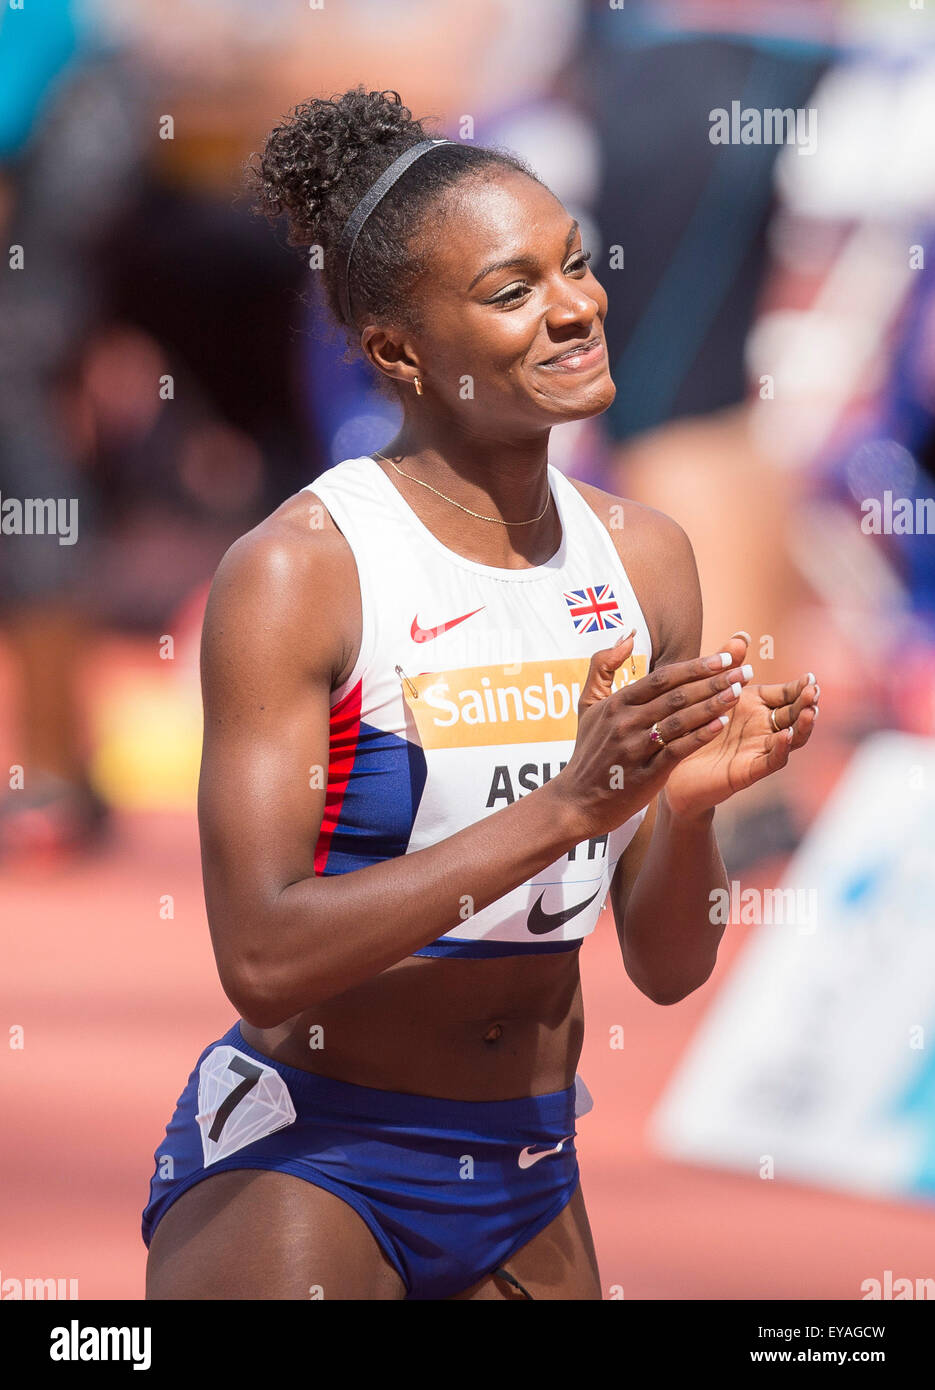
<point x="465" y="1029"/>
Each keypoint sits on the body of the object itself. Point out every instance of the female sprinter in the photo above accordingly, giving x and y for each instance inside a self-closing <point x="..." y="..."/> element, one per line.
<point x="407" y="830"/>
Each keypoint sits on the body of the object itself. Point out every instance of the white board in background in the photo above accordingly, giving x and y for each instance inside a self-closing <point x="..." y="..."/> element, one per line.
<point x="819" y="1052"/>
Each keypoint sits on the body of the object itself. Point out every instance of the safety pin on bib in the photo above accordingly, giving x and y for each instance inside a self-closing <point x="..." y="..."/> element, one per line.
<point x="402" y="674"/>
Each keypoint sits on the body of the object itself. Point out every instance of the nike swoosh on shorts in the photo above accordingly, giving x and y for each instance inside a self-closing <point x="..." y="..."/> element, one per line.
<point x="527" y="1158"/>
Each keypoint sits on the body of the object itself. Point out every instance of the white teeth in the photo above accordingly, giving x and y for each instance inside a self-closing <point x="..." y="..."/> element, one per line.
<point x="570" y="357"/>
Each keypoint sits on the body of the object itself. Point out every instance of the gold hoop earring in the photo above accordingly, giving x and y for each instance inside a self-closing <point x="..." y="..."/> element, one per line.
<point x="418" y="385"/>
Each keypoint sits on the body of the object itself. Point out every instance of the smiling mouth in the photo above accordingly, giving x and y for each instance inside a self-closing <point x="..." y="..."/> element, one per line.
<point x="572" y="359"/>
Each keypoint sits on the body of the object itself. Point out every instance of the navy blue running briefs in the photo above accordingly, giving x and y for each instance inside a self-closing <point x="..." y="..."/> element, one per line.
<point x="450" y="1189"/>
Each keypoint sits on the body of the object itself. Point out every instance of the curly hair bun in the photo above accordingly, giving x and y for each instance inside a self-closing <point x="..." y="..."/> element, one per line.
<point x="319" y="163"/>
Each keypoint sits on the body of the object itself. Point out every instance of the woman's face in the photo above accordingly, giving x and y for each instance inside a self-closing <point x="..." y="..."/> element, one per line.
<point x="506" y="290"/>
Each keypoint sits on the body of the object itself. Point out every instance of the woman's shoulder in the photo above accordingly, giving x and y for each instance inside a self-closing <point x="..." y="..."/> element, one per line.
<point x="642" y="534"/>
<point x="298" y="541"/>
<point x="291" y="579"/>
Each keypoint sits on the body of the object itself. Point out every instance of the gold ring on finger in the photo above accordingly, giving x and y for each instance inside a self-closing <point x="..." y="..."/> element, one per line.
<point x="656" y="736"/>
<point x="772" y="720"/>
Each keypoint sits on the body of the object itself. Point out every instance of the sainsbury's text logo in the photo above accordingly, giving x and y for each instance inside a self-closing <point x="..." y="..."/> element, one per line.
<point x="480" y="706"/>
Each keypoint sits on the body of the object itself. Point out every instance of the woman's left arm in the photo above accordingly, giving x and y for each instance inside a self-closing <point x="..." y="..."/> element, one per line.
<point x="661" y="900"/>
<point x="662" y="890"/>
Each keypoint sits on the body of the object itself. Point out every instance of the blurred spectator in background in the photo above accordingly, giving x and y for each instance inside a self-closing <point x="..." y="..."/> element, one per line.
<point x="145" y="371"/>
<point x="847" y="325"/>
<point x="690" y="217"/>
<point x="70" y="151"/>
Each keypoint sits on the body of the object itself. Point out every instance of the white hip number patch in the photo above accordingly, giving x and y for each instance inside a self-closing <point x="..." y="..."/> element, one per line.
<point x="239" y="1101"/>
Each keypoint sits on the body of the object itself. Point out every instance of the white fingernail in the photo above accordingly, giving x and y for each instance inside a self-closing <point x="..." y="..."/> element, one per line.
<point x="726" y="658"/>
<point x="746" y="672"/>
<point x="811" y="679"/>
<point x="736" y="687"/>
<point x="723" y="718"/>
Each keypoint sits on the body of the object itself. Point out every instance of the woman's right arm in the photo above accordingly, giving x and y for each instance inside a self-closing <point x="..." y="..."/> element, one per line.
<point x="275" y="637"/>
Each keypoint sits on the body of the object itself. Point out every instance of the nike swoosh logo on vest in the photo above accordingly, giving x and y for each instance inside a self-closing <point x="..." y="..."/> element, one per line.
<point x="540" y="922"/>
<point x="425" y="634"/>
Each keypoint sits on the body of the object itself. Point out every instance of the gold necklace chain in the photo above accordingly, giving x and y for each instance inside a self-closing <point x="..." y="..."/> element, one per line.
<point x="498" y="519"/>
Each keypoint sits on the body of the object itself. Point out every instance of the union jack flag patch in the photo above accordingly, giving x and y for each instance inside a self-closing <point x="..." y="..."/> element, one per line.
<point x="594" y="609"/>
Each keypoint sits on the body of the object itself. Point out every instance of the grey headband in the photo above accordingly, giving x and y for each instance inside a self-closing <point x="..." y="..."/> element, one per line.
<point x="351" y="229"/>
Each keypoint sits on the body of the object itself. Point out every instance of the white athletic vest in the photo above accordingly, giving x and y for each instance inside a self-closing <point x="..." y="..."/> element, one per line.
<point x="464" y="698"/>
